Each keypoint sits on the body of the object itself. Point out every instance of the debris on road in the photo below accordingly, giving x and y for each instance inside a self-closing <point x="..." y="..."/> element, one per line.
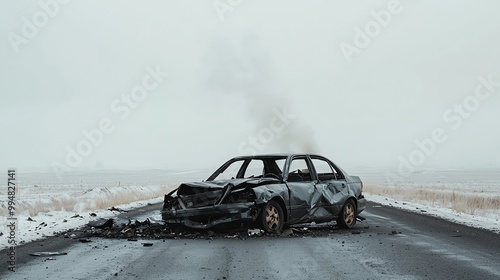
<point x="255" y="231"/>
<point x="116" y="209"/>
<point x="292" y="231"/>
<point x="47" y="254"/>
<point x="101" y="223"/>
<point x="43" y="224"/>
<point x="135" y="230"/>
<point x="287" y="232"/>
<point x="120" y="228"/>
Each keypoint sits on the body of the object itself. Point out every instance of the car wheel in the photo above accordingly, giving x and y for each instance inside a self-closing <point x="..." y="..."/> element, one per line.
<point x="272" y="217"/>
<point x="347" y="218"/>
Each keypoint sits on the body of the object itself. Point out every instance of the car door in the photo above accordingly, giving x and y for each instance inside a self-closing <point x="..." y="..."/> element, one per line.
<point x="331" y="189"/>
<point x="301" y="188"/>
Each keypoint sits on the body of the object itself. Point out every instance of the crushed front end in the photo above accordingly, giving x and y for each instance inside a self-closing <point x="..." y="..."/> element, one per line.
<point x="205" y="205"/>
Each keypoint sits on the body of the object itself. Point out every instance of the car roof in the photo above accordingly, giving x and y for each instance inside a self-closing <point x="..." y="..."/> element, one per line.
<point x="279" y="155"/>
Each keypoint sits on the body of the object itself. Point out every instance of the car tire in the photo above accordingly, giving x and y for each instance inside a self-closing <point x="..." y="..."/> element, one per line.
<point x="272" y="218"/>
<point x="347" y="217"/>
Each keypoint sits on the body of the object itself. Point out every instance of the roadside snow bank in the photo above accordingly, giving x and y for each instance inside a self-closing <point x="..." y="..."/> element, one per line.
<point x="476" y="221"/>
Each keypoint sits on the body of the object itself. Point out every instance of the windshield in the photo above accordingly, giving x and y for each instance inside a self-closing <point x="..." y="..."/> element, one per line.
<point x="252" y="168"/>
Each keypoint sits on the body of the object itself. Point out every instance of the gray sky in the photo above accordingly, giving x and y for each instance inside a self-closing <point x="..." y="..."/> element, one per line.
<point x="358" y="86"/>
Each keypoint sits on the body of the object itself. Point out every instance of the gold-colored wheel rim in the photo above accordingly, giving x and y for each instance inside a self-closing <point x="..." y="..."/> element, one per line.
<point x="272" y="217"/>
<point x="349" y="214"/>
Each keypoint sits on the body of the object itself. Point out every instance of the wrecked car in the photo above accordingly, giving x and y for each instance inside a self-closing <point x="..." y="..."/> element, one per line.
<point x="272" y="191"/>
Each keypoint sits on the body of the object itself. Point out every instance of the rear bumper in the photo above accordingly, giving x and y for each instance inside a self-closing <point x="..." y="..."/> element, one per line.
<point x="209" y="216"/>
<point x="361" y="204"/>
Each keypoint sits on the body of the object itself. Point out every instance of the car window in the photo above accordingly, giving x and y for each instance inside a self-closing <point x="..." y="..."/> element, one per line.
<point x="299" y="171"/>
<point x="231" y="171"/>
<point x="280" y="163"/>
<point x="254" y="169"/>
<point x="324" y="170"/>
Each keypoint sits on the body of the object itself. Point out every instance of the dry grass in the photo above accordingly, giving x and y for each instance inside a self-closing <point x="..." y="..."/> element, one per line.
<point x="125" y="198"/>
<point x="458" y="200"/>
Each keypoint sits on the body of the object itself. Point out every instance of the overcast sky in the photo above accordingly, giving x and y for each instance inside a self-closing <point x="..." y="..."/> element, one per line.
<point x="357" y="81"/>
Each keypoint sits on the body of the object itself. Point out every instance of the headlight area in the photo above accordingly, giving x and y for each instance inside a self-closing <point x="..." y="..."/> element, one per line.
<point x="170" y="202"/>
<point x="240" y="196"/>
<point x="196" y="200"/>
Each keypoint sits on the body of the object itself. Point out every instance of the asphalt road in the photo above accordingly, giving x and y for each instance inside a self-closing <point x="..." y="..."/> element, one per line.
<point x="389" y="244"/>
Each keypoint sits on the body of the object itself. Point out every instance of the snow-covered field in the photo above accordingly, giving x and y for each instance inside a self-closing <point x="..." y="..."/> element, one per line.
<point x="470" y="197"/>
<point x="45" y="206"/>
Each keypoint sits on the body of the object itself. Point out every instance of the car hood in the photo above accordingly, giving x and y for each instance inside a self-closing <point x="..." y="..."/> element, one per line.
<point x="220" y="184"/>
